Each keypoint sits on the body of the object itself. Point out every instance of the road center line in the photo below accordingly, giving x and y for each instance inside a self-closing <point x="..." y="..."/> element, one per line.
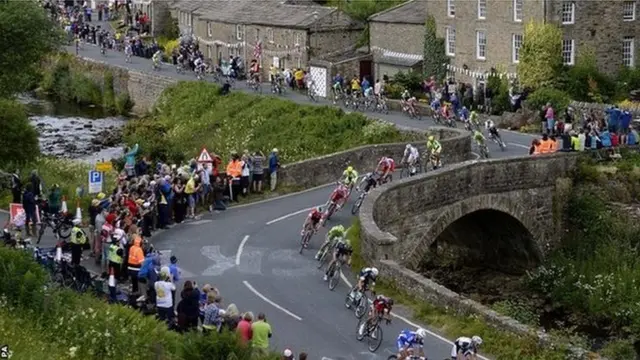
<point x="253" y="290"/>
<point x="240" y="248"/>
<point x="290" y="215"/>
<point x="409" y="322"/>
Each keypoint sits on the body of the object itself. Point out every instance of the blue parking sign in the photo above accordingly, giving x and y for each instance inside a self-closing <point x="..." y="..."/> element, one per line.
<point x="95" y="182"/>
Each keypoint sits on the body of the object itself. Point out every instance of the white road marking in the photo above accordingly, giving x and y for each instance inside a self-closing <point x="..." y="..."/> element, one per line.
<point x="409" y="322"/>
<point x="240" y="248"/>
<point x="476" y="155"/>
<point x="253" y="290"/>
<point x="220" y="264"/>
<point x="519" y="145"/>
<point x="290" y="215"/>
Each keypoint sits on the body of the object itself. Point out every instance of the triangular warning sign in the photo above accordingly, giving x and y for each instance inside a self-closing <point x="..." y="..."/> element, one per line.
<point x="204" y="157"/>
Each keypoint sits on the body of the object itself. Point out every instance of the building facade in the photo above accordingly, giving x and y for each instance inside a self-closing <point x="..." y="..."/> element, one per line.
<point x="289" y="35"/>
<point x="484" y="34"/>
<point x="396" y="38"/>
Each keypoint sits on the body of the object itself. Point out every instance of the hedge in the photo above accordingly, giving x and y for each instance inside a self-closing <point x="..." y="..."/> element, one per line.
<point x="192" y="115"/>
<point x="44" y="321"/>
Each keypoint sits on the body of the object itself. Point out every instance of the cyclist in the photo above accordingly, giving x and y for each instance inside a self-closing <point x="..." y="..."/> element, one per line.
<point x="199" y="66"/>
<point x="349" y="177"/>
<point x="156" y="59"/>
<point x="493" y="130"/>
<point x="408" y="102"/>
<point x="337" y="88"/>
<point x="479" y="138"/>
<point x="435" y="105"/>
<point x="464" y="114"/>
<point x="367" y="279"/>
<point x="336" y="233"/>
<point x="408" y="340"/>
<point x="411" y="155"/>
<point x="473" y="119"/>
<point x="342" y="252"/>
<point x="434" y="148"/>
<point x="128" y="51"/>
<point x="386" y="166"/>
<point x="466" y="347"/>
<point x="313" y="220"/>
<point x="368" y="182"/>
<point x="339" y="195"/>
<point x="381" y="306"/>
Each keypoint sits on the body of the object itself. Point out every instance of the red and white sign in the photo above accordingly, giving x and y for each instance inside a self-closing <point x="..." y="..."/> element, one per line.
<point x="17" y="216"/>
<point x="205" y="157"/>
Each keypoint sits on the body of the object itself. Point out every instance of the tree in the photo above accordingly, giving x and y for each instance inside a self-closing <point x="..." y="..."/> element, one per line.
<point x="435" y="57"/>
<point x="540" y="56"/>
<point x="19" y="140"/>
<point x="27" y="34"/>
<point x="169" y="27"/>
<point x="361" y="10"/>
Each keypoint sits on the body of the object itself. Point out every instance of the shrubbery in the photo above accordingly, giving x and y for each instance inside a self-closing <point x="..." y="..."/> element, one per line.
<point x="559" y="99"/>
<point x="40" y="322"/>
<point x="191" y="115"/>
<point x="19" y="140"/>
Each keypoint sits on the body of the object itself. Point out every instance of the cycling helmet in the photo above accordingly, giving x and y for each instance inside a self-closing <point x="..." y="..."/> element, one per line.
<point x="173" y="259"/>
<point x="374" y="271"/>
<point x="339" y="227"/>
<point x="384" y="158"/>
<point x="422" y="333"/>
<point x="431" y="138"/>
<point x="350" y="169"/>
<point x="408" y="146"/>
<point x="477" y="340"/>
<point x="390" y="301"/>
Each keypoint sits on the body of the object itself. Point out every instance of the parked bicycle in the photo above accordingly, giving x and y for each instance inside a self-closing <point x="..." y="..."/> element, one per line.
<point x="60" y="224"/>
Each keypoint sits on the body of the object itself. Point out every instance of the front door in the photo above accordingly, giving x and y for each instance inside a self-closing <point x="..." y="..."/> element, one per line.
<point x="366" y="69"/>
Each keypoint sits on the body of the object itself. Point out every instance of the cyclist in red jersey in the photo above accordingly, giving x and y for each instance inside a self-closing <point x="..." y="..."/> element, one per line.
<point x="313" y="219"/>
<point x="381" y="306"/>
<point x="339" y="195"/>
<point x="386" y="166"/>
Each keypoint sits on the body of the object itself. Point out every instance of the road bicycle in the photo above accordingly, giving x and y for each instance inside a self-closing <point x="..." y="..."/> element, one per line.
<point x="408" y="171"/>
<point x="484" y="151"/>
<point x="324" y="252"/>
<point x="61" y="225"/>
<point x="410" y="357"/>
<point x="370" y="330"/>
<point x="334" y="273"/>
<point x="306" y="237"/>
<point x="358" y="301"/>
<point x="498" y="140"/>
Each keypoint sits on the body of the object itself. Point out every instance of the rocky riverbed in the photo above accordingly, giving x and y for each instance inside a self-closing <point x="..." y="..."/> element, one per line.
<point x="72" y="133"/>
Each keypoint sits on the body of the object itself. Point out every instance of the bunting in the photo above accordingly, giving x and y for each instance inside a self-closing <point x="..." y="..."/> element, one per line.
<point x="479" y="74"/>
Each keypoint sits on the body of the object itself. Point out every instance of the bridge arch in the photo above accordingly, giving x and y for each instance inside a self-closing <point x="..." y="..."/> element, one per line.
<point x="496" y="228"/>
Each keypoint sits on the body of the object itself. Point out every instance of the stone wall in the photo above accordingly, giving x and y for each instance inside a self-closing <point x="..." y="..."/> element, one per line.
<point x="456" y="146"/>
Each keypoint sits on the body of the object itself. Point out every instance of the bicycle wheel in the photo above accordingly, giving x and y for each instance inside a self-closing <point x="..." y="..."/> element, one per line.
<point x="361" y="334"/>
<point x="323" y="257"/>
<point x="404" y="172"/>
<point x="356" y="206"/>
<point x="43" y="227"/>
<point x="64" y="231"/>
<point x="303" y="241"/>
<point x="392" y="357"/>
<point x="331" y="210"/>
<point x="335" y="277"/>
<point x="361" y="306"/>
<point x="375" y="338"/>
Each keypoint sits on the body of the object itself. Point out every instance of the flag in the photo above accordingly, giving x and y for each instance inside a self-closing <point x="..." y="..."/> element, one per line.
<point x="257" y="50"/>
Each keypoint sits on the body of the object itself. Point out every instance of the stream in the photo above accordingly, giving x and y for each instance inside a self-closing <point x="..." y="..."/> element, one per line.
<point x="68" y="131"/>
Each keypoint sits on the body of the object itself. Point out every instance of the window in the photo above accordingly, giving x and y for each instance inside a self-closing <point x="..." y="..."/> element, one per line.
<point x="515" y="47"/>
<point x="450" y="33"/>
<point x="517" y="10"/>
<point x="568" y="12"/>
<point x="481" y="45"/>
<point x="451" y="8"/>
<point x="239" y="32"/>
<point x="189" y="17"/>
<point x="269" y="34"/>
<point x="209" y="32"/>
<point x="628" y="52"/>
<point x="482" y="9"/>
<point x="298" y="40"/>
<point x="629" y="10"/>
<point x="568" y="52"/>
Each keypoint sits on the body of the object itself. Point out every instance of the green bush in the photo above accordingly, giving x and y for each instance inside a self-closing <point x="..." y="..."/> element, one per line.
<point x="411" y="81"/>
<point x="19" y="140"/>
<point x="192" y="115"/>
<point x="500" y="88"/>
<point x="559" y="99"/>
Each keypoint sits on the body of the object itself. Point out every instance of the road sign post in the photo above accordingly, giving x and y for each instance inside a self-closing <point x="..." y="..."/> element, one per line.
<point x="95" y="182"/>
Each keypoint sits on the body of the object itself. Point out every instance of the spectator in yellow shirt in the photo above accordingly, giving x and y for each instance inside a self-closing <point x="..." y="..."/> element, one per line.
<point x="355" y="86"/>
<point x="299" y="76"/>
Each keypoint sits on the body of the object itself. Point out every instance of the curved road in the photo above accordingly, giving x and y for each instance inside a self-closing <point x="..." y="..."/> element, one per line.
<point x="250" y="253"/>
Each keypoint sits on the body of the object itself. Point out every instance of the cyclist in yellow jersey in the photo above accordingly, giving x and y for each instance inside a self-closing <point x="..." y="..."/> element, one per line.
<point x="434" y="148"/>
<point x="355" y="85"/>
<point x="349" y="177"/>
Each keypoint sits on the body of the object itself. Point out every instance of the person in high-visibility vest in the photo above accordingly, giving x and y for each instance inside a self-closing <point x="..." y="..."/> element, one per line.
<point x="78" y="239"/>
<point x="115" y="258"/>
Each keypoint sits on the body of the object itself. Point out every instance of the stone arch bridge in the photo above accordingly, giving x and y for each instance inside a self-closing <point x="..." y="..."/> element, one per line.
<point x="504" y="212"/>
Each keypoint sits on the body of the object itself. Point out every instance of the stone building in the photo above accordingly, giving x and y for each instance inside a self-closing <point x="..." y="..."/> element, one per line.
<point x="156" y="10"/>
<point x="289" y="35"/>
<point x="484" y="34"/>
<point x="396" y="38"/>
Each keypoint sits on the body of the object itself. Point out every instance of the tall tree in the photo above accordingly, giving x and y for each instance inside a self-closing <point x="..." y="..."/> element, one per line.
<point x="435" y="57"/>
<point x="27" y="34"/>
<point x="540" y="56"/>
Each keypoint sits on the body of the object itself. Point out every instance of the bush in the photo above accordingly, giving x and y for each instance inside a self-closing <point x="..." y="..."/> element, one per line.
<point x="411" y="81"/>
<point x="500" y="100"/>
<point x="559" y="99"/>
<point x="19" y="140"/>
<point x="191" y="115"/>
<point x="66" y="173"/>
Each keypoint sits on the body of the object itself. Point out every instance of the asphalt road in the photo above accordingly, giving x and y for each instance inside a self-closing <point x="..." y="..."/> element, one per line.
<point x="250" y="253"/>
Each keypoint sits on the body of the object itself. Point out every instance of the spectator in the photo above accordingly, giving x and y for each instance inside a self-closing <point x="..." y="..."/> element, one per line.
<point x="164" y="301"/>
<point x="232" y="317"/>
<point x="179" y="201"/>
<point x="274" y="165"/>
<point x="549" y="116"/>
<point x="234" y="173"/>
<point x="54" y="199"/>
<point x="135" y="260"/>
<point x="175" y="274"/>
<point x="36" y="185"/>
<point x="244" y="328"/>
<point x="246" y="172"/>
<point x="212" y="313"/>
<point x="258" y="171"/>
<point x="206" y="290"/>
<point x="261" y="331"/>
<point x="205" y="180"/>
<point x="130" y="160"/>
<point x="218" y="195"/>
<point x="29" y="206"/>
<point x="188" y="308"/>
<point x="16" y="187"/>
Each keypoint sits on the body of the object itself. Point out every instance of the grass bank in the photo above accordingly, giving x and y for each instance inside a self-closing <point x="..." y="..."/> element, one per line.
<point x="38" y="321"/>
<point x="67" y="173"/>
<point x="499" y="344"/>
<point x="192" y="115"/>
<point x="66" y="79"/>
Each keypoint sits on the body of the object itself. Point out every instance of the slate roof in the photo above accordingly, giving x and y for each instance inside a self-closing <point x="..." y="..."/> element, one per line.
<point x="411" y="12"/>
<point x="188" y="5"/>
<point x="262" y="12"/>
